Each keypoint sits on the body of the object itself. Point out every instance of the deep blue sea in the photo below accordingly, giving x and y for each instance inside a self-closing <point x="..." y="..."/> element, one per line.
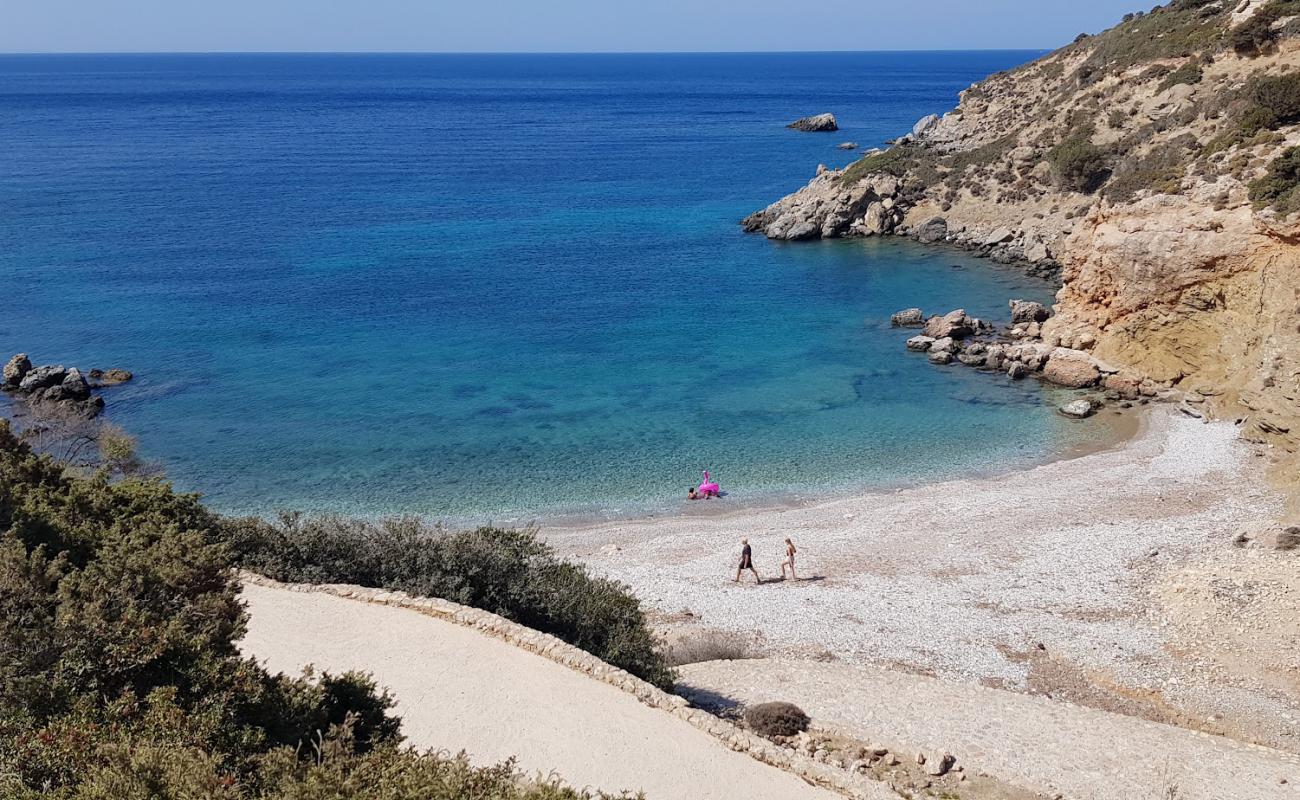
<point x="491" y="287"/>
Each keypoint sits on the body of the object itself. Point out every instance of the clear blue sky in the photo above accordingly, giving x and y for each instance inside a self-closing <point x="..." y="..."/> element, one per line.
<point x="547" y="25"/>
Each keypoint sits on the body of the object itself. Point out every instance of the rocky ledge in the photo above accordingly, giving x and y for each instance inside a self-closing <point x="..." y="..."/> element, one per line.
<point x="57" y="387"/>
<point x="1019" y="351"/>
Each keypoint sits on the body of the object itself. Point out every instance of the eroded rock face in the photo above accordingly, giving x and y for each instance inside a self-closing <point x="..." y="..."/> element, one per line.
<point x="819" y="123"/>
<point x="932" y="230"/>
<point x="16" y="369"/>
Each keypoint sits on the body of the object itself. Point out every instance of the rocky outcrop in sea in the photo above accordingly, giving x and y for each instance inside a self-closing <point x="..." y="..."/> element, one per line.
<point x="54" y="387"/>
<point x="820" y="123"/>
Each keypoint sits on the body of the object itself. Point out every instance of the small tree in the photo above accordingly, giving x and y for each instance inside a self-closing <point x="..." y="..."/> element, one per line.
<point x="1079" y="164"/>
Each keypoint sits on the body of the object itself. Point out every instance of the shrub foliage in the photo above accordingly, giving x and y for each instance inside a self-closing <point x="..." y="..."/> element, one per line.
<point x="119" y="676"/>
<point x="507" y="572"/>
<point x="1280" y="186"/>
<point x="1079" y="164"/>
<point x="776" y="719"/>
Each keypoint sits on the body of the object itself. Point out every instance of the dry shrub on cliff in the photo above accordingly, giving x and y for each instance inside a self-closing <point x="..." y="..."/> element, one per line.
<point x="1182" y="28"/>
<point x="1079" y="164"/>
<point x="1257" y="34"/>
<point x="1280" y="187"/>
<point x="1159" y="171"/>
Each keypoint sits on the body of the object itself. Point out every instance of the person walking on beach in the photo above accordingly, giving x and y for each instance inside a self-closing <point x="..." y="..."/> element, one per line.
<point x="790" y="550"/>
<point x="747" y="562"/>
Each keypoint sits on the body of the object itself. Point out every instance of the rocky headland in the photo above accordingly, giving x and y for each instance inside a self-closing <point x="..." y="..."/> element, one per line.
<point x="1153" y="169"/>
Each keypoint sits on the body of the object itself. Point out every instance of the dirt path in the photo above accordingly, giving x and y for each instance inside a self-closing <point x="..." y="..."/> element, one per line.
<point x="459" y="689"/>
<point x="1030" y="742"/>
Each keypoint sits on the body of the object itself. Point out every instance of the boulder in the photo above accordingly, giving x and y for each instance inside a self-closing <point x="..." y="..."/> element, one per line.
<point x="15" y="370"/>
<point x="847" y="145"/>
<point x="944" y="345"/>
<point x="907" y="318"/>
<point x="972" y="359"/>
<point x="1017" y="370"/>
<point x="1078" y="409"/>
<point x="876" y="220"/>
<point x="999" y="236"/>
<point x="924" y="124"/>
<point x="919" y="344"/>
<point x="42" y="378"/>
<point x="954" y="324"/>
<point x="940" y="357"/>
<point x="1027" y="311"/>
<point x="801" y="230"/>
<point x="932" y="230"/>
<point x="1072" y="368"/>
<point x="74" y="385"/>
<point x="815" y="124"/>
<point x="1125" y="384"/>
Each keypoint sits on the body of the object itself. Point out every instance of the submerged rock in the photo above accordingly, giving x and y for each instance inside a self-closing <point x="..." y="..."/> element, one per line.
<point x="919" y="344"/>
<point x="818" y="123"/>
<point x="110" y="377"/>
<point x="15" y="370"/>
<point x="940" y="357"/>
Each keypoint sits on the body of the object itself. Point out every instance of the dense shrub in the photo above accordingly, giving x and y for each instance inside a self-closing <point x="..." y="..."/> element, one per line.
<point x="507" y="572"/>
<point x="1278" y="96"/>
<point x="1078" y="164"/>
<point x="1280" y="187"/>
<point x="895" y="161"/>
<point x="1190" y="74"/>
<point x="776" y="719"/>
<point x="119" y="676"/>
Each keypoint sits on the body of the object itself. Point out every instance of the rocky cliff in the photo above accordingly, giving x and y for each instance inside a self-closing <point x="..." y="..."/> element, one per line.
<point x="1154" y="166"/>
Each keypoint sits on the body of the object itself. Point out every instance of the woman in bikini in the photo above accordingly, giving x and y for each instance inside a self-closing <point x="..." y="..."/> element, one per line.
<point x="790" y="550"/>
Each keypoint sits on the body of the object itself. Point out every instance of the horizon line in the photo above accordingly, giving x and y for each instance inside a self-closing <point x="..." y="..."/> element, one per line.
<point x="511" y="52"/>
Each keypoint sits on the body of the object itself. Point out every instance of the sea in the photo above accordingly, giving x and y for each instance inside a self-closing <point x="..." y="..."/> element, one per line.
<point x="493" y="288"/>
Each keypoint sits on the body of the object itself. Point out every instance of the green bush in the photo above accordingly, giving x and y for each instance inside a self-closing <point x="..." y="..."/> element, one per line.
<point x="1280" y="186"/>
<point x="776" y="719"/>
<point x="1078" y="164"/>
<point x="1190" y="74"/>
<point x="1278" y="96"/>
<point x="507" y="572"/>
<point x="1160" y="170"/>
<point x="119" y="676"/>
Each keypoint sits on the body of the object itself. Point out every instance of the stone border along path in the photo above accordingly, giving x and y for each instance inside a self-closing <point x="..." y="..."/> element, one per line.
<point x="1028" y="741"/>
<point x="560" y="652"/>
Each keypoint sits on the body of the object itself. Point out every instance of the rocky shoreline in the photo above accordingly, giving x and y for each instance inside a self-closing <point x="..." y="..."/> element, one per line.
<point x="59" y="388"/>
<point x="1019" y="350"/>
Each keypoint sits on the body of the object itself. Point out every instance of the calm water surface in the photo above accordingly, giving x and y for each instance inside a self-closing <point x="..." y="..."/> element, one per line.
<point x="490" y="286"/>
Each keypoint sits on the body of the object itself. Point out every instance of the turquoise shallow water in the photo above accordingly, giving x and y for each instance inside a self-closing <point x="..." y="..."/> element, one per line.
<point x="490" y="286"/>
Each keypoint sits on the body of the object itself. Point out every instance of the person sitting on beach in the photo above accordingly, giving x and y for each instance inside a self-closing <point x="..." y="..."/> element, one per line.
<point x="790" y="550"/>
<point x="747" y="562"/>
<point x="691" y="494"/>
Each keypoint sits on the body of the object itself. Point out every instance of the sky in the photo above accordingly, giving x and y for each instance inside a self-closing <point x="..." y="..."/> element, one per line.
<point x="547" y="25"/>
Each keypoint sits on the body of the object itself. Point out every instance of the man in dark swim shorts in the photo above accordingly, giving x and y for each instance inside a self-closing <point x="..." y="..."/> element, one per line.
<point x="746" y="562"/>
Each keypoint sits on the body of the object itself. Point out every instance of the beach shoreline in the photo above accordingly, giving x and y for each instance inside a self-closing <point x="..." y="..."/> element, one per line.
<point x="1097" y="579"/>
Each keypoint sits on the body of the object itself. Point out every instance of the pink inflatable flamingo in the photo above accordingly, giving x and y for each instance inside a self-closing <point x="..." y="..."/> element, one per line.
<point x="709" y="488"/>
